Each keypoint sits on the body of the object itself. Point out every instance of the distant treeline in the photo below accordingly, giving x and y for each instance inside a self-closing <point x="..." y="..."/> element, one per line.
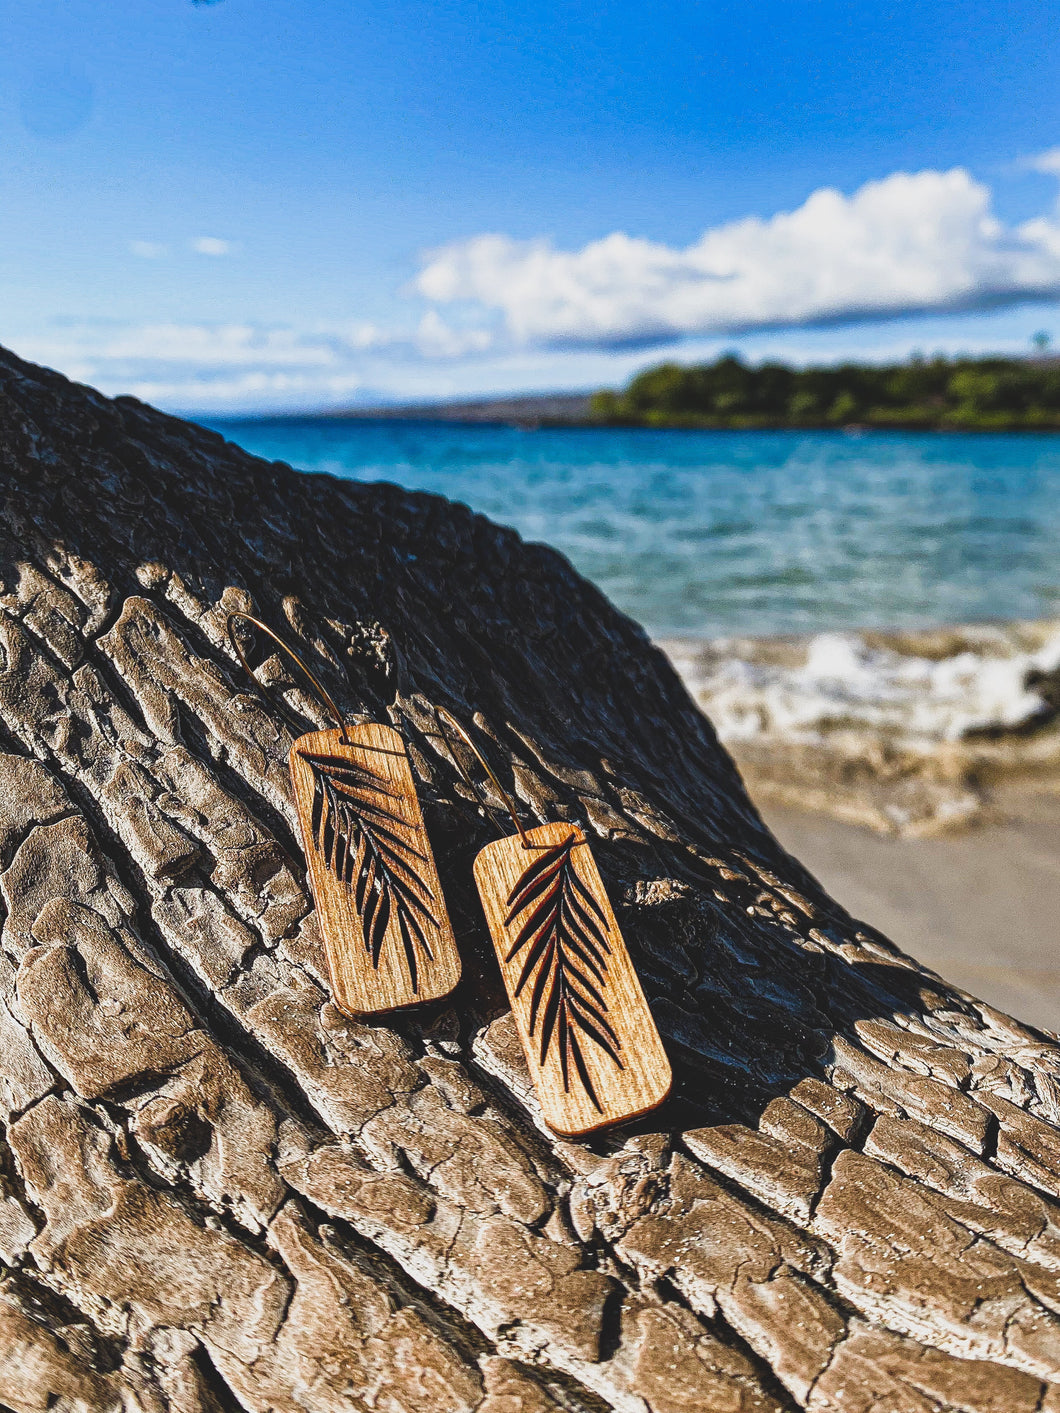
<point x="983" y="394"/>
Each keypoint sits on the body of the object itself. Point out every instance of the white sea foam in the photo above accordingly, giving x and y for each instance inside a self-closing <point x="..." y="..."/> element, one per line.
<point x="980" y="680"/>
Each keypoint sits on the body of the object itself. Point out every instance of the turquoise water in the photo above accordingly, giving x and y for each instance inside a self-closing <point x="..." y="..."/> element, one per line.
<point x="740" y="532"/>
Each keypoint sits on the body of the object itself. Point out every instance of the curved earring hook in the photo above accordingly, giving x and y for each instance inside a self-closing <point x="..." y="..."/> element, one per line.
<point x="311" y="677"/>
<point x="441" y="712"/>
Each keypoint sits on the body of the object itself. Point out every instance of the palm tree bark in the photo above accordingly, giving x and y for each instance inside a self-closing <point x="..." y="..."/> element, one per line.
<point x="217" y="1192"/>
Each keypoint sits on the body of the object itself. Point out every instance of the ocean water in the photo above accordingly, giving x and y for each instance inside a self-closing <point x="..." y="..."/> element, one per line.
<point x="714" y="533"/>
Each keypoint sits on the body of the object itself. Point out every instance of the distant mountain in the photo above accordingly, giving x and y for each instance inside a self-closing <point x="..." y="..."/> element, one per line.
<point x="534" y="410"/>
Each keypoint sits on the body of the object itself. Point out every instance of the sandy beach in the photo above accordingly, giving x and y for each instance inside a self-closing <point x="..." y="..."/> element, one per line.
<point x="981" y="907"/>
<point x="917" y="775"/>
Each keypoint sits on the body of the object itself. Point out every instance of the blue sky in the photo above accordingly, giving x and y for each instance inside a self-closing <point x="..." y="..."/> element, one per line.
<point x="263" y="204"/>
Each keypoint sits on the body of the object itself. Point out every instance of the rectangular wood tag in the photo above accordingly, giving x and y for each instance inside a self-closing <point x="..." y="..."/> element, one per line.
<point x="590" y="1041"/>
<point x="386" y="931"/>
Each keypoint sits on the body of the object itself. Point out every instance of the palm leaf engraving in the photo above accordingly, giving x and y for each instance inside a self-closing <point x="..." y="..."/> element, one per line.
<point x="563" y="940"/>
<point x="360" y="833"/>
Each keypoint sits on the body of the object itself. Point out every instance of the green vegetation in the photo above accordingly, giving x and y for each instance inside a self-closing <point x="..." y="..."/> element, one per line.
<point x="980" y="394"/>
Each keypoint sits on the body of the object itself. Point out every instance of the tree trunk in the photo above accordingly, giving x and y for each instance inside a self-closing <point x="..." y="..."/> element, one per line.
<point x="218" y="1192"/>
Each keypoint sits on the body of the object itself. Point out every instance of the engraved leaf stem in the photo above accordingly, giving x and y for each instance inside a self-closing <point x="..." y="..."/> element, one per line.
<point x="563" y="938"/>
<point x="362" y="838"/>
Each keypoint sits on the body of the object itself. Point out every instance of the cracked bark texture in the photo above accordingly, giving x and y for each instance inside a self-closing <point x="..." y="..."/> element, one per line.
<point x="219" y="1193"/>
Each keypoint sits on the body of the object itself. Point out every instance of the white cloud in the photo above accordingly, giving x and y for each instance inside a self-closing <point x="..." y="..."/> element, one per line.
<point x="190" y="345"/>
<point x="495" y="313"/>
<point x="1047" y="162"/>
<point x="201" y="366"/>
<point x="211" y="245"/>
<point x="148" y="249"/>
<point x="910" y="242"/>
<point x="437" y="339"/>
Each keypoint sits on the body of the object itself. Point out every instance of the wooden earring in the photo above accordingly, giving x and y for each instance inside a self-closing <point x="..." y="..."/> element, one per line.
<point x="590" y="1041"/>
<point x="386" y="931"/>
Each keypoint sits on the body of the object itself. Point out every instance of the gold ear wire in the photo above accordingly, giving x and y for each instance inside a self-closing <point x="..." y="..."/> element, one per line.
<point x="451" y="720"/>
<point x="311" y="677"/>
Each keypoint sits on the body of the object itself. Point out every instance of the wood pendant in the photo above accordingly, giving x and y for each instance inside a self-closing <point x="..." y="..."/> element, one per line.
<point x="386" y="931"/>
<point x="589" y="1037"/>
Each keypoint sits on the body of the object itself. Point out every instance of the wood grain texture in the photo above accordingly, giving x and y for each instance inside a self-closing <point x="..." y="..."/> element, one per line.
<point x="386" y="931"/>
<point x="590" y="1041"/>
